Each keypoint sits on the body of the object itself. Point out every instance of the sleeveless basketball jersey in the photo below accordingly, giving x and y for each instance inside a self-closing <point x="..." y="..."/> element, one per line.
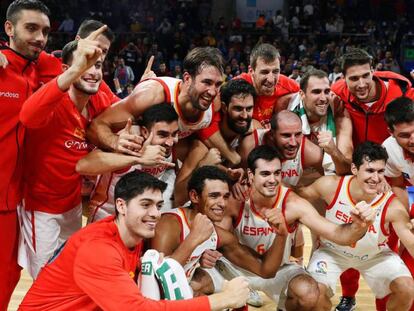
<point x="339" y="212"/>
<point x="102" y="197"/>
<point x="211" y="243"/>
<point x="255" y="232"/>
<point x="171" y="91"/>
<point x="292" y="170"/>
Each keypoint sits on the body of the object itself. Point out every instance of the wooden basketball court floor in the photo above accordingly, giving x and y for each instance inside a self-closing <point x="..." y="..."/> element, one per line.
<point x="365" y="298"/>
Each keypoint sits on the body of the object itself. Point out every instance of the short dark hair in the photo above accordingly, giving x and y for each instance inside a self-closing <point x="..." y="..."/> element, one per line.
<point x="369" y="152"/>
<point x="400" y="110"/>
<point x="265" y="152"/>
<point x="201" y="57"/>
<point x="265" y="51"/>
<point x="236" y="87"/>
<point x="19" y="5"/>
<point x="135" y="183"/>
<point x="90" y="25"/>
<point x="158" y="113"/>
<point x="355" y="57"/>
<point x="200" y="175"/>
<point x="311" y="73"/>
<point x="67" y="52"/>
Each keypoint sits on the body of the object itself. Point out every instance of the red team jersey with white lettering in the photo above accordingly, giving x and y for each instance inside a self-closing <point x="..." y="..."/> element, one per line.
<point x="339" y="212"/>
<point x="254" y="231"/>
<point x="292" y="170"/>
<point x="211" y="243"/>
<point x="172" y="88"/>
<point x="55" y="141"/>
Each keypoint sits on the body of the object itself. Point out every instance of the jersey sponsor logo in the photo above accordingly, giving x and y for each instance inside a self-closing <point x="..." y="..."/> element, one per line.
<point x="345" y="218"/>
<point x="263" y="231"/>
<point x="342" y="203"/>
<point x="406" y="175"/>
<point x="146" y="268"/>
<point x="345" y="252"/>
<point x="10" y="95"/>
<point x="77" y="145"/>
<point x="290" y="173"/>
<point x="154" y="171"/>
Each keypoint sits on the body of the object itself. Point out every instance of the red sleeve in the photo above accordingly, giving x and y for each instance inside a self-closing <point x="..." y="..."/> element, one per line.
<point x="102" y="277"/>
<point x="410" y="93"/>
<point x="48" y="67"/>
<point x="39" y="108"/>
<point x="107" y="90"/>
<point x="289" y="85"/>
<point x="214" y="127"/>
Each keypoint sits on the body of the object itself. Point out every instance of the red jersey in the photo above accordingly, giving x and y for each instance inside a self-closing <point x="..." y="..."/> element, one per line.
<point x="55" y="142"/>
<point x="17" y="83"/>
<point x="368" y="122"/>
<point x="93" y="271"/>
<point x="265" y="105"/>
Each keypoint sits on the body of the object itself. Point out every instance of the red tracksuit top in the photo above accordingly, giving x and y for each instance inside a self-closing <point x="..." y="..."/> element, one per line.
<point x="369" y="123"/>
<point x="54" y="142"/>
<point x="17" y="83"/>
<point x="96" y="271"/>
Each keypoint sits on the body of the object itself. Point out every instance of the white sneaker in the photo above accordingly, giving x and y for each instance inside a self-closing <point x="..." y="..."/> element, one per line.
<point x="254" y="299"/>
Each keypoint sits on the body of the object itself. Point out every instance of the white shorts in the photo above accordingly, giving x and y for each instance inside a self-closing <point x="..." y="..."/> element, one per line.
<point x="326" y="266"/>
<point x="42" y="233"/>
<point x="275" y="288"/>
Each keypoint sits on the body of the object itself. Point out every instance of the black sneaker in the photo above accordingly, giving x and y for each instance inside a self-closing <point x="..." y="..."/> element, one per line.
<point x="346" y="304"/>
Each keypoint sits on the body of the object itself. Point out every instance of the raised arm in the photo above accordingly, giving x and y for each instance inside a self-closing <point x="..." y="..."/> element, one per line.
<point x="115" y="117"/>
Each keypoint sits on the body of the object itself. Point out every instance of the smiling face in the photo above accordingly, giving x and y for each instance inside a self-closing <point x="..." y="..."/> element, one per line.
<point x="165" y="134"/>
<point x="265" y="76"/>
<point x="369" y="175"/>
<point x="213" y="199"/>
<point x="316" y="98"/>
<point x="90" y="81"/>
<point x="203" y="88"/>
<point x="360" y="83"/>
<point x="267" y="177"/>
<point x="288" y="137"/>
<point x="30" y="33"/>
<point x="404" y="134"/>
<point x="140" y="215"/>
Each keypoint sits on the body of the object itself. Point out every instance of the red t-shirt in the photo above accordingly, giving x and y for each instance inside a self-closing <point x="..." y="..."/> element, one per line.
<point x="95" y="270"/>
<point x="55" y="141"/>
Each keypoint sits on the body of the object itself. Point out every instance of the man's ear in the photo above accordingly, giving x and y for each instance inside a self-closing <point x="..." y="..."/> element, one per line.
<point x="301" y="94"/>
<point x="250" y="71"/>
<point x="65" y="67"/>
<point x="9" y="28"/>
<point x="121" y="206"/>
<point x="354" y="169"/>
<point x="144" y="132"/>
<point x="187" y="77"/>
<point x="223" y="107"/>
<point x="77" y="37"/>
<point x="193" y="195"/>
<point x="250" y="176"/>
<point x="390" y="131"/>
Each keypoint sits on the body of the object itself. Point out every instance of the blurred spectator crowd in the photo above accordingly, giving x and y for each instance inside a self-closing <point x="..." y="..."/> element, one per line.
<point x="309" y="34"/>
